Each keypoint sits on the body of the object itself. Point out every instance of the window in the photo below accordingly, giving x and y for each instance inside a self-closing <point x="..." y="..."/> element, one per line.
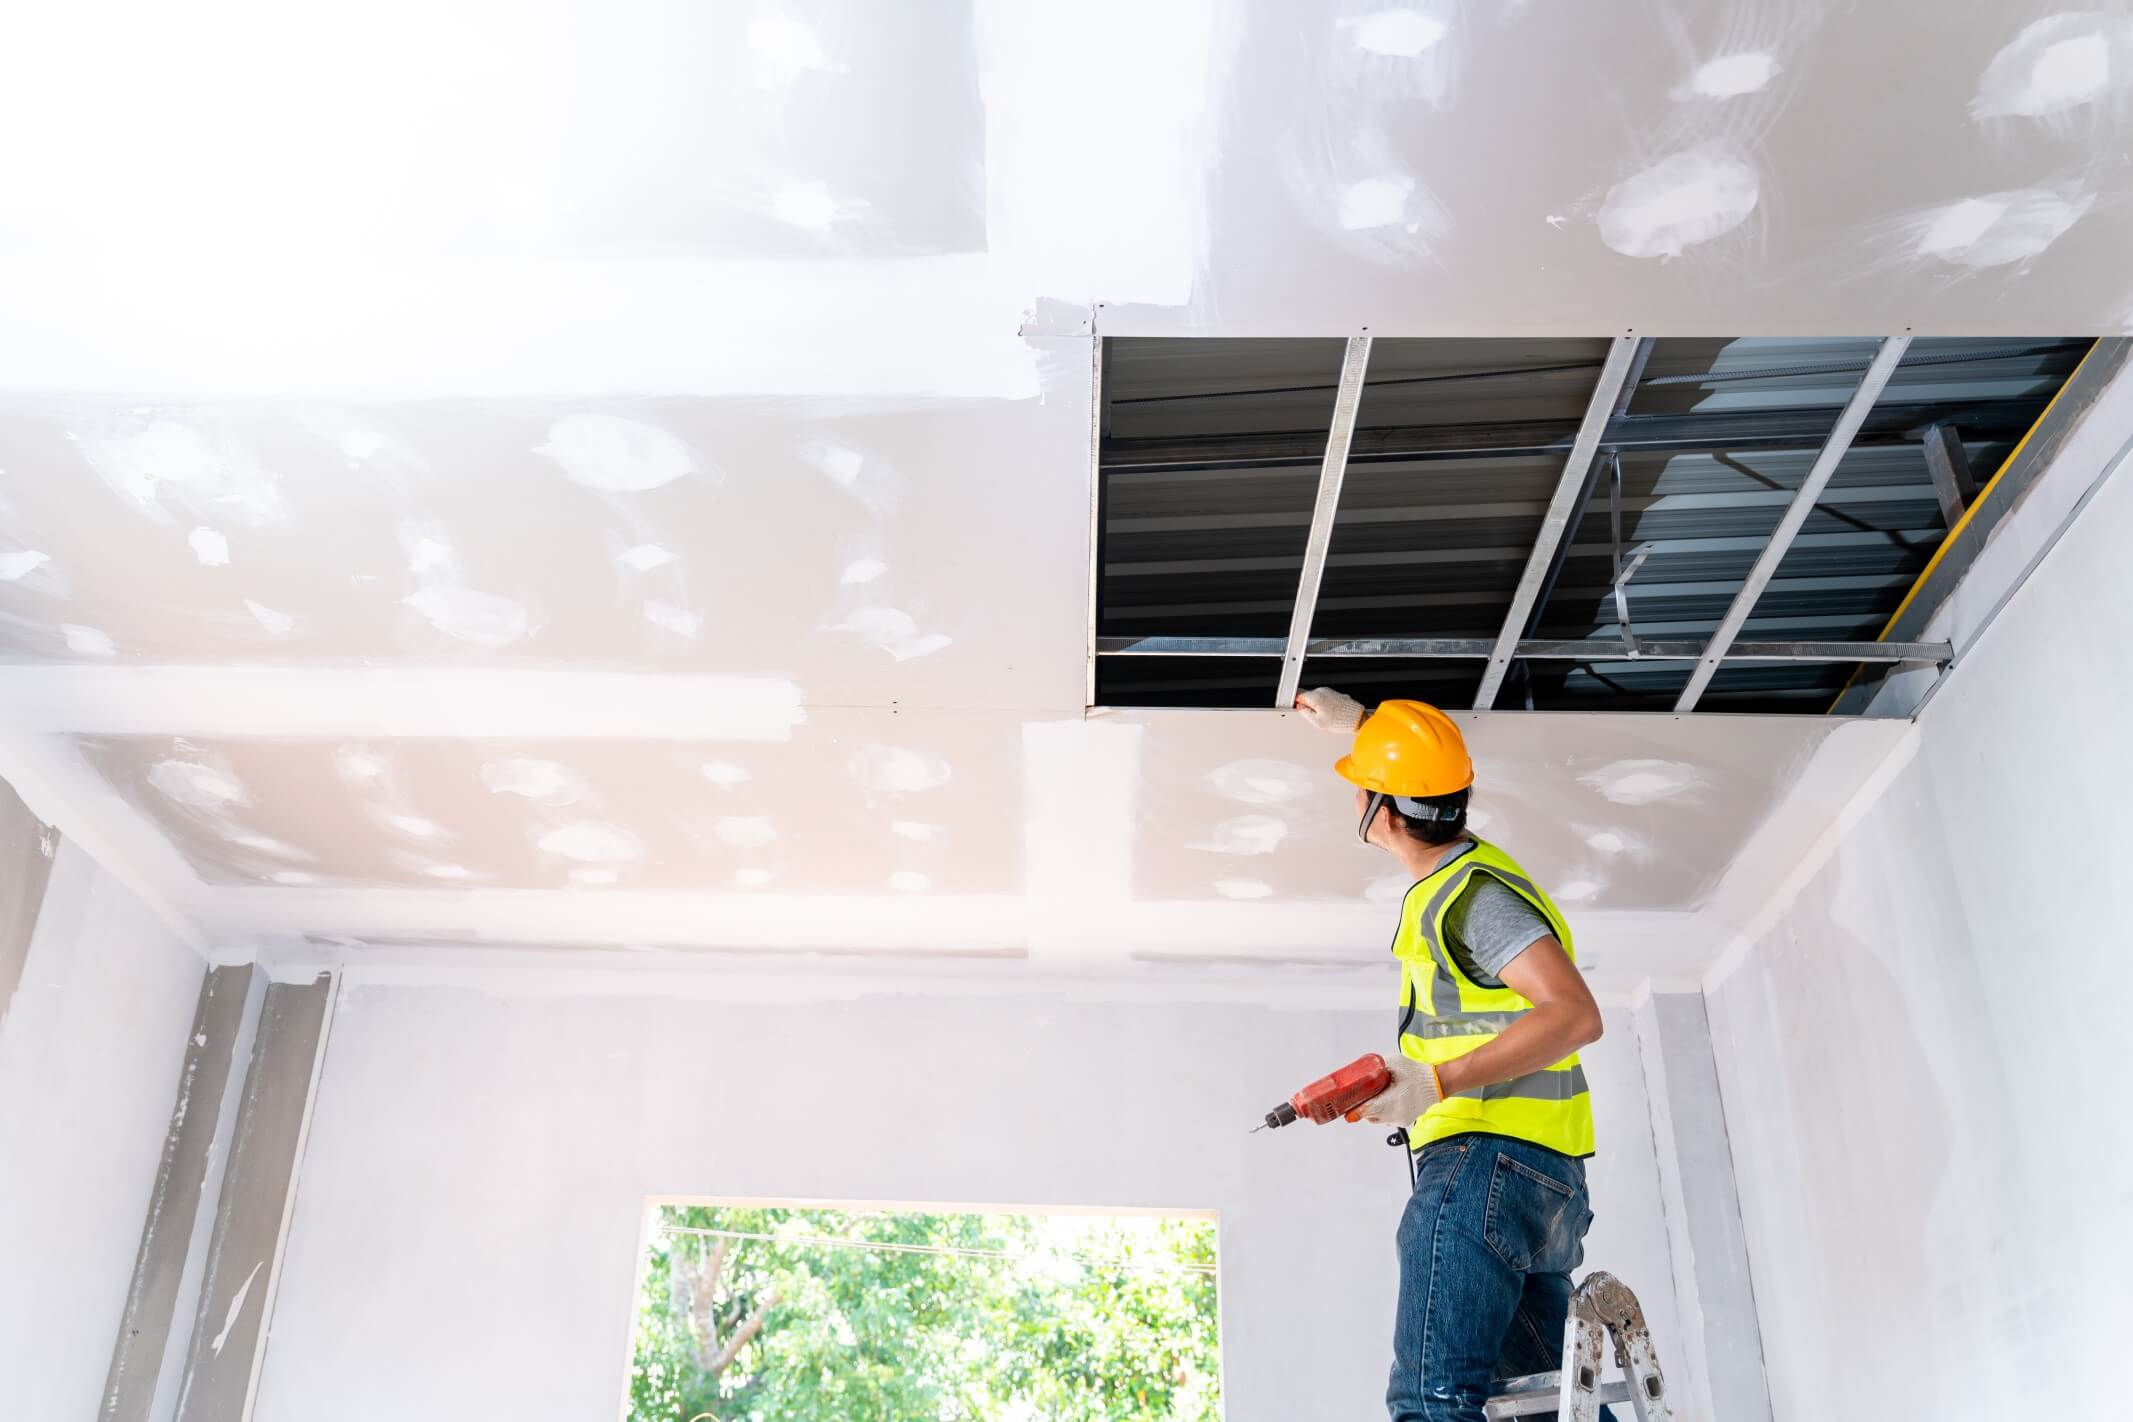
<point x="752" y="1312"/>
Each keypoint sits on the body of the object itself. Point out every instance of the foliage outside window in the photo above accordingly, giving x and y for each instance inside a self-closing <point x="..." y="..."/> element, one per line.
<point x="778" y="1314"/>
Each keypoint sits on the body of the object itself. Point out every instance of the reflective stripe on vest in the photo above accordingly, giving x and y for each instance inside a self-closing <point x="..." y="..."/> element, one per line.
<point x="1445" y="1014"/>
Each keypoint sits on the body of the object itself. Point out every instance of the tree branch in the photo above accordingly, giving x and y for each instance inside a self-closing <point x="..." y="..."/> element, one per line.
<point x="746" y="1331"/>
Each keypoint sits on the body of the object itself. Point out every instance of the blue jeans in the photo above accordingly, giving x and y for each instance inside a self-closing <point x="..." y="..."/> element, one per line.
<point x="1487" y="1243"/>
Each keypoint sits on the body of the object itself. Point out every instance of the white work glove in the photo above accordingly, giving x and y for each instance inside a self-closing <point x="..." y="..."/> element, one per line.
<point x="1331" y="710"/>
<point x="1414" y="1090"/>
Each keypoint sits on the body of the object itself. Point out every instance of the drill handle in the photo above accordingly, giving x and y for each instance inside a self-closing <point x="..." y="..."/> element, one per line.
<point x="1331" y="1097"/>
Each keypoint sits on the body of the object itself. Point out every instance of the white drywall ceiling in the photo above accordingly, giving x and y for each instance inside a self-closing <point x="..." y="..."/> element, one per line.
<point x="511" y="387"/>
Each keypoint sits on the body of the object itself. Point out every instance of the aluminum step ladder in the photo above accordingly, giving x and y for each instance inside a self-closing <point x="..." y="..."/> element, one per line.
<point x="1602" y="1306"/>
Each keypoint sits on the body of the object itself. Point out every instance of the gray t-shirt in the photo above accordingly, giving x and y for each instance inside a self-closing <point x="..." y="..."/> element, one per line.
<point x="1489" y="924"/>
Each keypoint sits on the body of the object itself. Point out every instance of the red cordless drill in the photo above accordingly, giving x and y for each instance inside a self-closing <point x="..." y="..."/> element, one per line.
<point x="1331" y="1097"/>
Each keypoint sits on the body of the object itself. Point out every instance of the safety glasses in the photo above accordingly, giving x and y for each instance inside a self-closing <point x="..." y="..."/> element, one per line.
<point x="1370" y="812"/>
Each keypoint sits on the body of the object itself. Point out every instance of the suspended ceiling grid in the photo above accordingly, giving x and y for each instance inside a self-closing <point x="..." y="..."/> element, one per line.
<point x="659" y="387"/>
<point x="1459" y="446"/>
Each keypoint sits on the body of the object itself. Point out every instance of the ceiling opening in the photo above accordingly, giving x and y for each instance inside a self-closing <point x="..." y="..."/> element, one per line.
<point x="1615" y="523"/>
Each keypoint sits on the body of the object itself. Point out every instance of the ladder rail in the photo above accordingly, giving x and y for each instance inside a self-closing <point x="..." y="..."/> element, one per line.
<point x="1602" y="1308"/>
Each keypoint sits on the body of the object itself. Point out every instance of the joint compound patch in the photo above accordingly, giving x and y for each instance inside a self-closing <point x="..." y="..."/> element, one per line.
<point x="592" y="843"/>
<point x="2056" y="65"/>
<point x="210" y="547"/>
<point x="198" y="786"/>
<point x="1388" y="889"/>
<point x="1396" y="34"/>
<point x="1688" y="198"/>
<point x="484" y="619"/>
<point x="544" y="782"/>
<point x="784" y="49"/>
<point x="165" y="469"/>
<point x="1243" y="888"/>
<point x="1997" y="229"/>
<point x="615" y="455"/>
<point x="1645" y="782"/>
<point x="678" y="620"/>
<point x="87" y="641"/>
<point x="1729" y="76"/>
<point x="1246" y="834"/>
<point x="895" y="770"/>
<point x="644" y="557"/>
<point x="16" y="566"/>
<point x="894" y="631"/>
<point x="277" y="623"/>
<point x="724" y="774"/>
<point x="1263" y="782"/>
<point x="746" y="831"/>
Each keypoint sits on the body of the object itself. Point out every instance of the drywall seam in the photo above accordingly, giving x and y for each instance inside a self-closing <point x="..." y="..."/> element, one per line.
<point x="1147" y="146"/>
<point x="1081" y="781"/>
<point x="399" y="701"/>
<point x="1743" y="935"/>
<point x="558" y="973"/>
<point x="498" y="328"/>
<point x="122" y="841"/>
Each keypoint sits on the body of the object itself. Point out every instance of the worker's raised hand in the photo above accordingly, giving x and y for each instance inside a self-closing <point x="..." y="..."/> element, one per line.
<point x="1330" y="710"/>
<point x="1414" y="1090"/>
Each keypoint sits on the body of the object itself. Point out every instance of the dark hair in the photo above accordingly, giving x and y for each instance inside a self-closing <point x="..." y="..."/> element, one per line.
<point x="1433" y="819"/>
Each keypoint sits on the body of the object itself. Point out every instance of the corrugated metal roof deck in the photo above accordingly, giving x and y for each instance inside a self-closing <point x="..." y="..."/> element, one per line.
<point x="1211" y="461"/>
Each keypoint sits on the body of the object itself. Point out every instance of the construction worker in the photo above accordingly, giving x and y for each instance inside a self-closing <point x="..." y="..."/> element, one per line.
<point x="1486" y="1083"/>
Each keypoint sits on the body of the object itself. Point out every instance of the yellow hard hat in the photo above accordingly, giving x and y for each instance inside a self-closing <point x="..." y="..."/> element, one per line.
<point x="1408" y="748"/>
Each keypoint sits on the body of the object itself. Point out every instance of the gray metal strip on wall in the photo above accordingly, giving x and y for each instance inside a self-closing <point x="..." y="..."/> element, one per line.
<point x="244" y="1255"/>
<point x="27" y="846"/>
<point x="1721" y="1335"/>
<point x="174" y="1207"/>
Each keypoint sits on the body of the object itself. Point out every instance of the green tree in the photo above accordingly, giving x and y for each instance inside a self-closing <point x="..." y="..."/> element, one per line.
<point x="789" y="1315"/>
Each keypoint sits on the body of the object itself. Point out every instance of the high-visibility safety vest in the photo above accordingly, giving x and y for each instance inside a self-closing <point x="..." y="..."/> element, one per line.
<point x="1445" y="1014"/>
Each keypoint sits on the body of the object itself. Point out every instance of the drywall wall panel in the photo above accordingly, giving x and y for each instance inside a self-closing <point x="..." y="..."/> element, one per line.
<point x="1922" y="1057"/>
<point x="89" y="1060"/>
<point x="473" y="1147"/>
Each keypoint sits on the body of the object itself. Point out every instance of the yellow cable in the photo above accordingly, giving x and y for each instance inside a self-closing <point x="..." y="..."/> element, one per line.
<point x="1964" y="522"/>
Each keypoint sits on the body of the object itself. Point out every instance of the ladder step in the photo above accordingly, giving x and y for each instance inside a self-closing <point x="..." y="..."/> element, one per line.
<point x="1538" y="1393"/>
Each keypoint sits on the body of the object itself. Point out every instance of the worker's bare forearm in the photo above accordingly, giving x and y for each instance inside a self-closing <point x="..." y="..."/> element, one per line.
<point x="1535" y="1042"/>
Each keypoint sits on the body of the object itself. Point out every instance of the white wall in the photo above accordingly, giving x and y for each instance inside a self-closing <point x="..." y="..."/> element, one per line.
<point x="468" y="1217"/>
<point x="1924" y="1061"/>
<point x="90" y="1050"/>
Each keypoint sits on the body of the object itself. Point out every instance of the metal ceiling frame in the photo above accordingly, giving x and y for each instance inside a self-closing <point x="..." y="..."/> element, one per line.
<point x="1347" y="403"/>
<point x="1586" y="649"/>
<point x="1606" y="430"/>
<point x="1803" y="502"/>
<point x="1570" y="494"/>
